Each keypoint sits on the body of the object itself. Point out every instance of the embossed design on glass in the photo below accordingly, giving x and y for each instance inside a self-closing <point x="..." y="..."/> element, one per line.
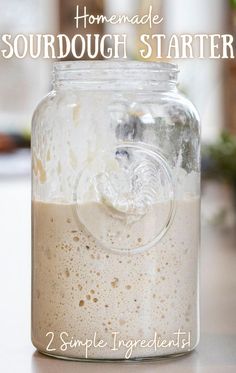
<point x="128" y="183"/>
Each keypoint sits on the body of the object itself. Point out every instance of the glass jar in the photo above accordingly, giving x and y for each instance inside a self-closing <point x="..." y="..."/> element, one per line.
<point x="115" y="213"/>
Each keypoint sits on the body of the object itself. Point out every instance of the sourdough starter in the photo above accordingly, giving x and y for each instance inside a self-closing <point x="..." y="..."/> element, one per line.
<point x="87" y="291"/>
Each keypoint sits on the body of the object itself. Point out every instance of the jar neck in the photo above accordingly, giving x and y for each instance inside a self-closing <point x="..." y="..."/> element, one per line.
<point x="115" y="75"/>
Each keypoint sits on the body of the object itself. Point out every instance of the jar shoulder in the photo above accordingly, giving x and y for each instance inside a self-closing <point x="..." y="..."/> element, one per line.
<point x="43" y="106"/>
<point x="173" y="106"/>
<point x="183" y="103"/>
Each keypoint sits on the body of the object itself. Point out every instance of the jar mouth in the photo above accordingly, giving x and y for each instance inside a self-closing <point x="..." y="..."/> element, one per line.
<point x="118" y="73"/>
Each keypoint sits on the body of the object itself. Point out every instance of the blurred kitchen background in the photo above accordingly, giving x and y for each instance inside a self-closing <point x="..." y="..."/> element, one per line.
<point x="210" y="84"/>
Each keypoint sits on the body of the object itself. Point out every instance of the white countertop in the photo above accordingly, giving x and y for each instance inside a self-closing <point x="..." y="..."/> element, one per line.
<point x="216" y="352"/>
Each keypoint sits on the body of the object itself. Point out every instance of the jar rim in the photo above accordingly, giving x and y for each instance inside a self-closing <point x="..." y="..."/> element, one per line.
<point x="115" y="65"/>
<point x="116" y="74"/>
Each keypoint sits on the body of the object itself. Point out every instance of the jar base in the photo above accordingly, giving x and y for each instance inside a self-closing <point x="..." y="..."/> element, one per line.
<point x="131" y="360"/>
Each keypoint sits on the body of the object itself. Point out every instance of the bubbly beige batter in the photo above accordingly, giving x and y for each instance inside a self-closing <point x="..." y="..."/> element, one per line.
<point x="82" y="288"/>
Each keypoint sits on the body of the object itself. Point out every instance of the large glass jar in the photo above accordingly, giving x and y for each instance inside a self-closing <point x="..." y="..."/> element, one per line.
<point x="115" y="212"/>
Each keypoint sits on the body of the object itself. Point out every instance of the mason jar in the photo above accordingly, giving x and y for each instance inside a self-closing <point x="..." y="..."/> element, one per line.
<point x="115" y="213"/>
